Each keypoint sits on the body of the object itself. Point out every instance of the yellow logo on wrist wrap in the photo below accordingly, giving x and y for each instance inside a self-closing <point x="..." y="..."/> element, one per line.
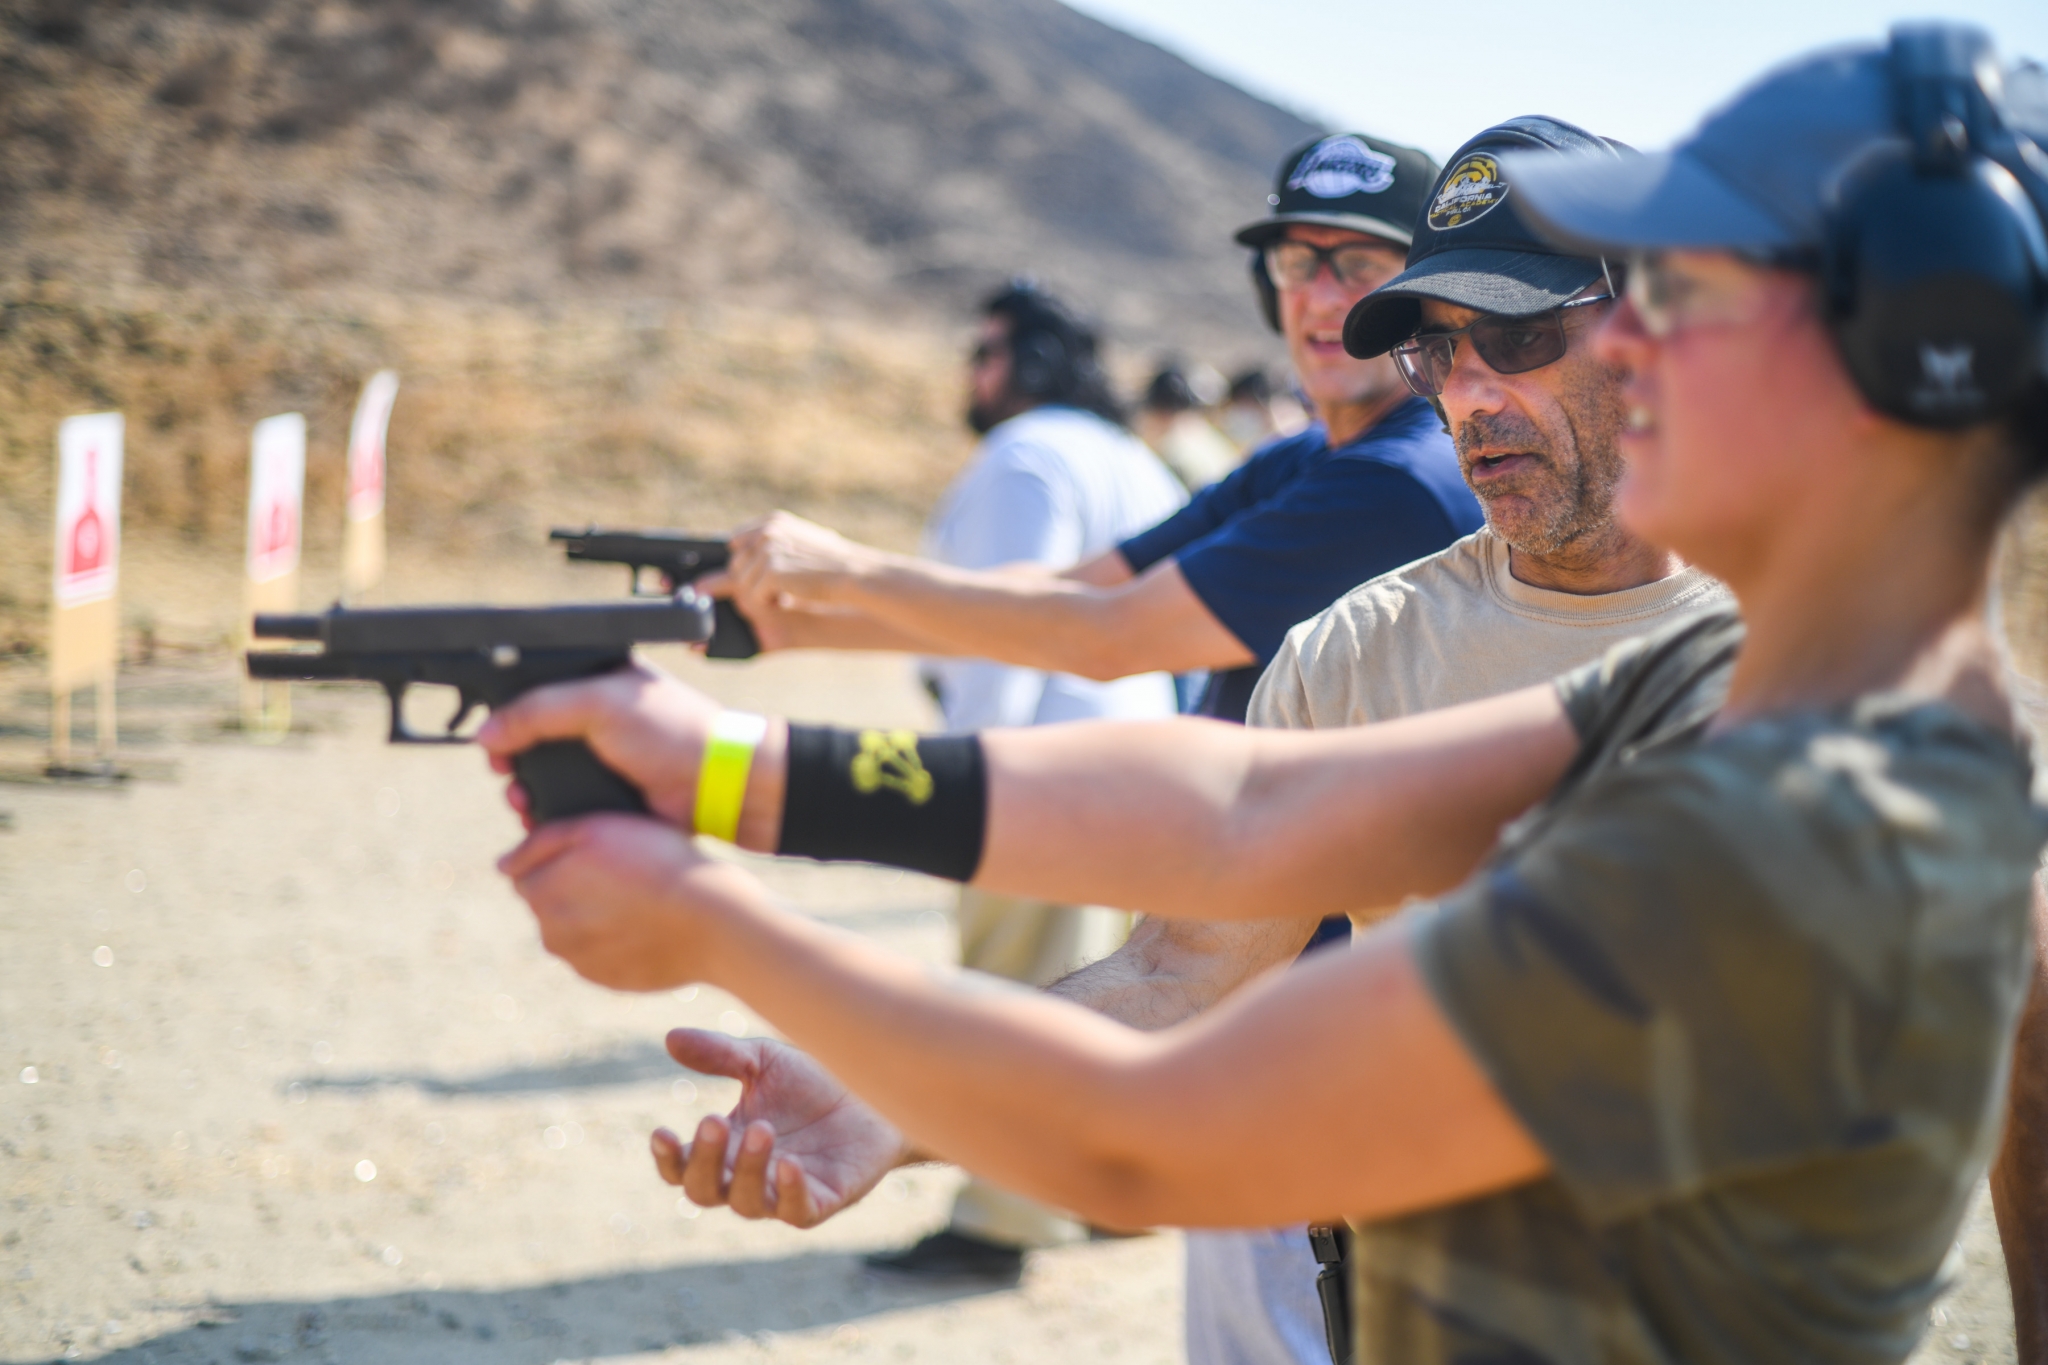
<point x="888" y="758"/>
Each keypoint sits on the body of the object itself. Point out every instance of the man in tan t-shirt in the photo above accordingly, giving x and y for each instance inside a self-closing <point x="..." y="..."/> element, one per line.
<point x="1452" y="628"/>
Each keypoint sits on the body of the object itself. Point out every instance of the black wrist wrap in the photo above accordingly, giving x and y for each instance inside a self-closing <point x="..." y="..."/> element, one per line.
<point x="886" y="796"/>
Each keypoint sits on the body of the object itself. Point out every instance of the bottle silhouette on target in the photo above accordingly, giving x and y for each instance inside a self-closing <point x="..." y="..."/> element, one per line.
<point x="87" y="552"/>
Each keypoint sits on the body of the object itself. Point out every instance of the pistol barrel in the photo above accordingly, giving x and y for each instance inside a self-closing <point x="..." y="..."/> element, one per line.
<point x="268" y="626"/>
<point x="684" y="618"/>
<point x="284" y="665"/>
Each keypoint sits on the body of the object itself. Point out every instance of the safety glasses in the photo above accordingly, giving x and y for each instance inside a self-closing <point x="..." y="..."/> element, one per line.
<point x="1507" y="345"/>
<point x="1670" y="298"/>
<point x="1354" y="265"/>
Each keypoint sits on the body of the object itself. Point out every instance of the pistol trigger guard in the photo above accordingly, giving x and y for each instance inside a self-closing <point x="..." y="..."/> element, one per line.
<point x="399" y="734"/>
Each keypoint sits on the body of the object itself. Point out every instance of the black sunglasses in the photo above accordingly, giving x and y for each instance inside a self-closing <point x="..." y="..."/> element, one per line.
<point x="1507" y="345"/>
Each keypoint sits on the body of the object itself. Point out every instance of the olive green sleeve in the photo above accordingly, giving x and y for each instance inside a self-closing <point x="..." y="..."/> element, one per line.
<point x="1705" y="968"/>
<point x="1645" y="675"/>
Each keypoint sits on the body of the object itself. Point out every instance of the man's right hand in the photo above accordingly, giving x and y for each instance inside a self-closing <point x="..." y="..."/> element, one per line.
<point x="797" y="1147"/>
<point x="645" y="726"/>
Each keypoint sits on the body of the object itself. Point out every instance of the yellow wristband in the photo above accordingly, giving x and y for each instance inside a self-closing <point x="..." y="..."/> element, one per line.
<point x="722" y="778"/>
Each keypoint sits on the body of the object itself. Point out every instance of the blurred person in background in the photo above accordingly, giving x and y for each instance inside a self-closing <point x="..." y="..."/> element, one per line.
<point x="1055" y="480"/>
<point x="1254" y="411"/>
<point x="1372" y="485"/>
<point x="1173" y="419"/>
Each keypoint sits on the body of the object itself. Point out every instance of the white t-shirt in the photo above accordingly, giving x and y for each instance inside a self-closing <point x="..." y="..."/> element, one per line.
<point x="1051" y="486"/>
<point x="1452" y="628"/>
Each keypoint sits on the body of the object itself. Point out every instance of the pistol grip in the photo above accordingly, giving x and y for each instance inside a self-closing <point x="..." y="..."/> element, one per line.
<point x="732" y="637"/>
<point x="563" y="778"/>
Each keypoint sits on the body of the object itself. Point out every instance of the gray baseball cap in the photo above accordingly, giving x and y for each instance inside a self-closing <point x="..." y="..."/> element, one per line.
<point x="1756" y="176"/>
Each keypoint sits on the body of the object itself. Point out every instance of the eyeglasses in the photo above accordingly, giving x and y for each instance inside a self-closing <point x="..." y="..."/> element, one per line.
<point x="1667" y="298"/>
<point x="1354" y="265"/>
<point x="1507" y="345"/>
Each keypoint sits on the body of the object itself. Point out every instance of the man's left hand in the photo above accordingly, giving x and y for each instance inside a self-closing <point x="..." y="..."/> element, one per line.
<point x="626" y="901"/>
<point x="798" y="1147"/>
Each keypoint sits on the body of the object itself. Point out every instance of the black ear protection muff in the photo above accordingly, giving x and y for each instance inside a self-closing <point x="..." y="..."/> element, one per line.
<point x="1935" y="265"/>
<point x="1268" y="293"/>
<point x="1041" y="364"/>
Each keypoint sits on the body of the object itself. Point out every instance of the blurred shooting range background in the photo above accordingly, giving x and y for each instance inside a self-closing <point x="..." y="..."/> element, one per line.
<point x="282" y="1073"/>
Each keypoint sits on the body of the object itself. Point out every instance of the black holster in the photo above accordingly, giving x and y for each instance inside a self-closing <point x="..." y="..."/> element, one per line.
<point x="1331" y="1243"/>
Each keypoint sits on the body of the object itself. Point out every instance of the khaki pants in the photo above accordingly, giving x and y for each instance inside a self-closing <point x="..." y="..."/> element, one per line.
<point x="1037" y="943"/>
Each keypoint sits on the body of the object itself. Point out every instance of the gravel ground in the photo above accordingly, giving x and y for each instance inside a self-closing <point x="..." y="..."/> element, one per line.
<point x="284" y="1075"/>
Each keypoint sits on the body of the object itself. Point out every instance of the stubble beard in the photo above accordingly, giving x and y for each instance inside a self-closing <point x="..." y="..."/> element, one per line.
<point x="1555" y="508"/>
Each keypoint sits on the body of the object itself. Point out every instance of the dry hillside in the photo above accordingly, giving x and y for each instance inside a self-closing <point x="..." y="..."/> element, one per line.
<point x="879" y="152"/>
<point x="669" y="262"/>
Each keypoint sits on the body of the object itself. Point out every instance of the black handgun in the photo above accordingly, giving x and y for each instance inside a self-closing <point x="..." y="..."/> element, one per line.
<point x="489" y="655"/>
<point x="678" y="557"/>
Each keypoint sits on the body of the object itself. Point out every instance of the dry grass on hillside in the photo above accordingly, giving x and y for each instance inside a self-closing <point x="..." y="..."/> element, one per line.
<point x="507" y="422"/>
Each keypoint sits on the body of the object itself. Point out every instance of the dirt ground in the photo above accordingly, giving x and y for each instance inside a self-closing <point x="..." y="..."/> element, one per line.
<point x="313" y="977"/>
<point x="284" y="1076"/>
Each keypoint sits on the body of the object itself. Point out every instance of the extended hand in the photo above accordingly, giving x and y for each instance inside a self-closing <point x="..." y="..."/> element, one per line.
<point x="798" y="1146"/>
<point x="782" y="555"/>
<point x="641" y="723"/>
<point x="769" y="614"/>
<point x="626" y="901"/>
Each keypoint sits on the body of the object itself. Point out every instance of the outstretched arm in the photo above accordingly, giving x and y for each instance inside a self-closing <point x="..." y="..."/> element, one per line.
<point x="1348" y="1065"/>
<point x="780" y="626"/>
<point x="1191" y="819"/>
<point x="1095" y="620"/>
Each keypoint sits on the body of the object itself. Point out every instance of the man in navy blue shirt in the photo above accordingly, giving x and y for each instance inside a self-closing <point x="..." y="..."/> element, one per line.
<point x="1371" y="486"/>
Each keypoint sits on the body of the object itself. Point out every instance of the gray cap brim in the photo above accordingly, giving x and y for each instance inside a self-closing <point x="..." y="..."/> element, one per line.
<point x="1266" y="229"/>
<point x="1667" y="200"/>
<point x="1491" y="280"/>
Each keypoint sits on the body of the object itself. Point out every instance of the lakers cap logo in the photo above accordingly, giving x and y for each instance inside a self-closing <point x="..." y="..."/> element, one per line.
<point x="1338" y="167"/>
<point x="1469" y="193"/>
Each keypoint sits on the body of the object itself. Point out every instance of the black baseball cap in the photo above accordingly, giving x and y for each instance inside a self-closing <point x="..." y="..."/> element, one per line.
<point x="1470" y="250"/>
<point x="1350" y="181"/>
